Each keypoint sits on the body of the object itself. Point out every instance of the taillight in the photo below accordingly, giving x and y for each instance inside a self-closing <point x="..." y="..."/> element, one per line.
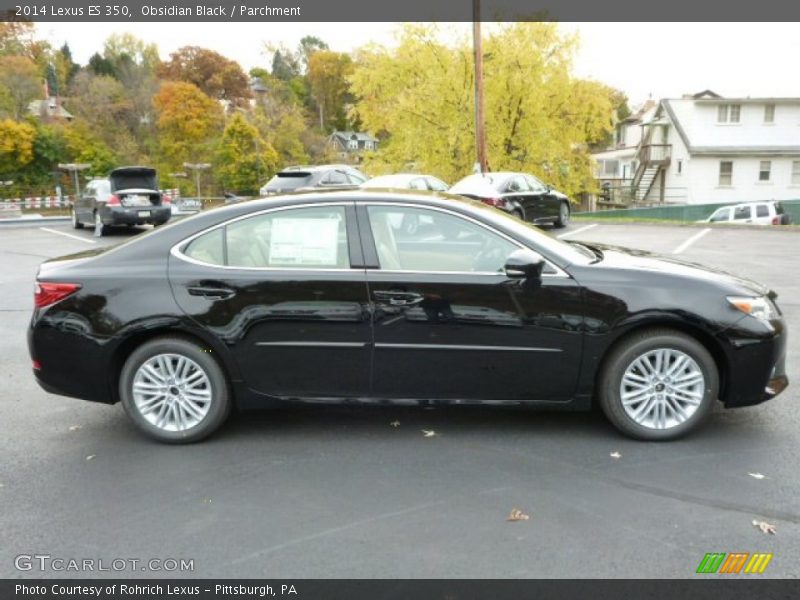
<point x="37" y="366"/>
<point x="113" y="200"/>
<point x="47" y="294"/>
<point x="498" y="202"/>
<point x="776" y="220"/>
<point x="165" y="200"/>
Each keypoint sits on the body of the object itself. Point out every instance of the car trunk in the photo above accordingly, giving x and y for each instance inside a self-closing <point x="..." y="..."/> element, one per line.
<point x="135" y="187"/>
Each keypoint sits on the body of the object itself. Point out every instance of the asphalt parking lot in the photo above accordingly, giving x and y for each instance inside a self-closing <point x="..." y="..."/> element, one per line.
<point x="341" y="492"/>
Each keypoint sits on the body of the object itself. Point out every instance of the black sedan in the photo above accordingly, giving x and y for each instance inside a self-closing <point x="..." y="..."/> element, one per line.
<point x="322" y="297"/>
<point x="519" y="194"/>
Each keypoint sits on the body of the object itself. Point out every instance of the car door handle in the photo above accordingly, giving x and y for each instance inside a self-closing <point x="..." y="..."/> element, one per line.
<point x="398" y="298"/>
<point x="221" y="293"/>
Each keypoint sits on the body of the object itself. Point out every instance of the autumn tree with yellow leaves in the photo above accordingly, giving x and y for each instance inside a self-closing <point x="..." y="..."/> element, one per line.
<point x="539" y="117"/>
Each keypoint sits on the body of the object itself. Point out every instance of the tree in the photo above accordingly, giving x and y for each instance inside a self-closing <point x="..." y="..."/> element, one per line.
<point x="19" y="85"/>
<point x="327" y="76"/>
<point x="187" y="120"/>
<point x="16" y="147"/>
<point x="217" y="76"/>
<point x="85" y="147"/>
<point x="310" y="44"/>
<point x="539" y="118"/>
<point x="16" y="38"/>
<point x="285" y="65"/>
<point x="243" y="159"/>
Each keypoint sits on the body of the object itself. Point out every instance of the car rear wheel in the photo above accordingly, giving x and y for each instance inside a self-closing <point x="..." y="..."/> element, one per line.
<point x="658" y="385"/>
<point x="99" y="228"/>
<point x="174" y="390"/>
<point x="76" y="224"/>
<point x="518" y="213"/>
<point x="563" y="215"/>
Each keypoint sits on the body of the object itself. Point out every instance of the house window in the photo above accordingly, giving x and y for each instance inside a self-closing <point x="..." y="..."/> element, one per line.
<point x="796" y="172"/>
<point x="680" y="166"/>
<point x="368" y="145"/>
<point x="352" y="145"/>
<point x="729" y="113"/>
<point x="726" y="172"/>
<point x="609" y="168"/>
<point x="763" y="170"/>
<point x="769" y="113"/>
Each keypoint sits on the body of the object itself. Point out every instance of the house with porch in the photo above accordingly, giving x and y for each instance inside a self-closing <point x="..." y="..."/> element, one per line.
<point x="350" y="144"/>
<point x="705" y="148"/>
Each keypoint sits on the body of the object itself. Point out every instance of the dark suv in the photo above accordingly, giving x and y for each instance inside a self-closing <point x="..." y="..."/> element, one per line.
<point x="129" y="196"/>
<point x="298" y="179"/>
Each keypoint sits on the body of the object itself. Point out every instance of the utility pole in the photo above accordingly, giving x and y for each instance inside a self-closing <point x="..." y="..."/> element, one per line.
<point x="480" y="132"/>
<point x="197" y="167"/>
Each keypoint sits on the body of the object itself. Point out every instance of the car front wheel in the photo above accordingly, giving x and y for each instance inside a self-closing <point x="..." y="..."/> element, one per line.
<point x="174" y="390"/>
<point x="563" y="215"/>
<point x="658" y="385"/>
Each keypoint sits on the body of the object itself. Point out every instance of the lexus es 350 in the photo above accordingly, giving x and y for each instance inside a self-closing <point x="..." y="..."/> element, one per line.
<point x="323" y="297"/>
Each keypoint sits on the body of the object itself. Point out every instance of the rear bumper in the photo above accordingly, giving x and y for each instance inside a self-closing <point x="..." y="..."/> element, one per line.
<point x="121" y="215"/>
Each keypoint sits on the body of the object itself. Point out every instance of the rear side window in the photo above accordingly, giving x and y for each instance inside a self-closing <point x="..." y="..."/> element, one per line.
<point x="301" y="238"/>
<point x="335" y="178"/>
<point x="762" y="210"/>
<point x="741" y="212"/>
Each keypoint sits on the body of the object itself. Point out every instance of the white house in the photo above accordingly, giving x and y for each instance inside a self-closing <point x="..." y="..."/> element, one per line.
<point x="705" y="148"/>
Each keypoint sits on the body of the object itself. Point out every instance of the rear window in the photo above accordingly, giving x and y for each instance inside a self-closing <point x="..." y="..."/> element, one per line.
<point x="289" y="180"/>
<point x="127" y="181"/>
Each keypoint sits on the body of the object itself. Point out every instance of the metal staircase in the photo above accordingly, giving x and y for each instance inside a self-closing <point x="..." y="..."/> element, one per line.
<point x="652" y="161"/>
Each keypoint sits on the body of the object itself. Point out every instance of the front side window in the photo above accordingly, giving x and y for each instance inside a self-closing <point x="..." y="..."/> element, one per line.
<point x="440" y="242"/>
<point x="517" y="184"/>
<point x="723" y="214"/>
<point x="298" y="238"/>
<point x="764" y="169"/>
<point x="726" y="172"/>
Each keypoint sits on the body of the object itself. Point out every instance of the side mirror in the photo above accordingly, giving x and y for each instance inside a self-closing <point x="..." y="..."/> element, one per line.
<point x="524" y="264"/>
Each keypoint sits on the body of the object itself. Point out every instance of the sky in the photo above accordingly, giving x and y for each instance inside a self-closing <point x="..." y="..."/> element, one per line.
<point x="659" y="60"/>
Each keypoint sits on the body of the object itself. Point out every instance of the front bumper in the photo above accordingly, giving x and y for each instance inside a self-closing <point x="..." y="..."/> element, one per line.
<point x="756" y="363"/>
<point x="122" y="215"/>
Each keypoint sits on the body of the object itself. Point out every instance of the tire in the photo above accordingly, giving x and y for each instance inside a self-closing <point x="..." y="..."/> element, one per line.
<point x="563" y="215"/>
<point x="169" y="419"/>
<point x="99" y="227"/>
<point x="676" y="411"/>
<point x="517" y="212"/>
<point x="76" y="224"/>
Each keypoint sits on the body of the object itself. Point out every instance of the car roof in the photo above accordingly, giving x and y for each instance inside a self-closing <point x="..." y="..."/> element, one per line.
<point x="316" y="168"/>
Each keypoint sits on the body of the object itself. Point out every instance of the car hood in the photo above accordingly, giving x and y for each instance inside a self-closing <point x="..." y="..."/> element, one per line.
<point x="640" y="260"/>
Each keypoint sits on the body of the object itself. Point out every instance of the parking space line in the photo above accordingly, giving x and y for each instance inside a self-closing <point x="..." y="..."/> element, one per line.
<point x="577" y="230"/>
<point x="691" y="241"/>
<point x="69" y="235"/>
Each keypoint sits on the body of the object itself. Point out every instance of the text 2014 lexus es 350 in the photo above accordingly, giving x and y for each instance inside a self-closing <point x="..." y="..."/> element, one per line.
<point x="325" y="297"/>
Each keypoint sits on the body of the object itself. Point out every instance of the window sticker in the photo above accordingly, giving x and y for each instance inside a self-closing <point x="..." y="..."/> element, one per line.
<point x="304" y="241"/>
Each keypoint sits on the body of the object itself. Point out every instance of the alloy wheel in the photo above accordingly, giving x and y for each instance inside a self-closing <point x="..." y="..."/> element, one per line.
<point x="662" y="388"/>
<point x="172" y="392"/>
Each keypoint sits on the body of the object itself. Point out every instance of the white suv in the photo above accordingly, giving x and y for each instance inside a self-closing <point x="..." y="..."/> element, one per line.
<point x="752" y="213"/>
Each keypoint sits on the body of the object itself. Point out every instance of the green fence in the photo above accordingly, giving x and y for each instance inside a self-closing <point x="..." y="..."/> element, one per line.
<point x="684" y="212"/>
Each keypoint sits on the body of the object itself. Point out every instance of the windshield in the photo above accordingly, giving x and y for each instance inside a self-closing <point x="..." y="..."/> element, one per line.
<point x="289" y="180"/>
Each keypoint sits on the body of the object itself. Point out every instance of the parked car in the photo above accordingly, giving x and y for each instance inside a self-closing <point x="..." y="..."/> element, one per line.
<point x="313" y="298"/>
<point x="129" y="196"/>
<point x="298" y="179"/>
<point x="751" y="213"/>
<point x="519" y="194"/>
<point x="186" y="206"/>
<point x="407" y="181"/>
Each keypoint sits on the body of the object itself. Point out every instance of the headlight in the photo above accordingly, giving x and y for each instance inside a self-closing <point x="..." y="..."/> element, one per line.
<point x="759" y="307"/>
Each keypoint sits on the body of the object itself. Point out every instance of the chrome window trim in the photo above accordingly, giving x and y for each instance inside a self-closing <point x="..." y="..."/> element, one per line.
<point x="177" y="252"/>
<point x="559" y="272"/>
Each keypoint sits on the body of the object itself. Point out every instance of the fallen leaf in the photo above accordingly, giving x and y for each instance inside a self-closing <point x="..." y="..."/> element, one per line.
<point x="91" y="457"/>
<point x="395" y="423"/>
<point x="428" y="432"/>
<point x="517" y="515"/>
<point x="615" y="455"/>
<point x="74" y="427"/>
<point x="765" y="527"/>
<point x="757" y="475"/>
